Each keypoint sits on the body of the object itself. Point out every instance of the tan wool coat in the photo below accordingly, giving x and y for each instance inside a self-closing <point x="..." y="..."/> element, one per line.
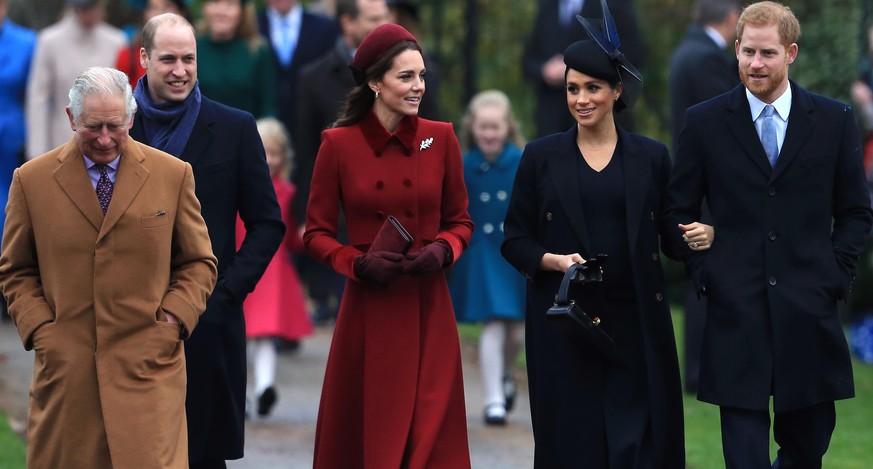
<point x="88" y="294"/>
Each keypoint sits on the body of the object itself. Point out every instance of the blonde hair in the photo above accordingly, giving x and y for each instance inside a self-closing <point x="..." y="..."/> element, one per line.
<point x="771" y="13"/>
<point x="488" y="98"/>
<point x="270" y="128"/>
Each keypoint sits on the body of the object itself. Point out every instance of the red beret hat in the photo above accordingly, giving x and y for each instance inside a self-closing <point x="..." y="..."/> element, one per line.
<point x="374" y="44"/>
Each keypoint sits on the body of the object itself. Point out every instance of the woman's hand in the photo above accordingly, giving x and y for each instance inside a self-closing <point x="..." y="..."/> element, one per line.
<point x="560" y="262"/>
<point x="698" y="236"/>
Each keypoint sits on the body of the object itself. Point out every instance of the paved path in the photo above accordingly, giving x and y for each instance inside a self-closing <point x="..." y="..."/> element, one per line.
<point x="285" y="439"/>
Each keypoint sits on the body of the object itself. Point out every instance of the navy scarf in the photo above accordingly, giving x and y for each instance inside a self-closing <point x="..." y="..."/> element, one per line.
<point x="167" y="125"/>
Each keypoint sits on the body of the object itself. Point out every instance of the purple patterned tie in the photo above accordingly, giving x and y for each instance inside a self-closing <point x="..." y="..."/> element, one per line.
<point x="104" y="188"/>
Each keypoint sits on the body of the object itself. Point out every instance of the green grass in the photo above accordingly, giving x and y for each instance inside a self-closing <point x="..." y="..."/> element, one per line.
<point x="851" y="446"/>
<point x="11" y="446"/>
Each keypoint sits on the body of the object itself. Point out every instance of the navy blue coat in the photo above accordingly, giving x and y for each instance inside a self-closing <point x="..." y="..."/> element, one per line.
<point x="699" y="70"/>
<point x="786" y="243"/>
<point x="317" y="35"/>
<point x="230" y="174"/>
<point x="545" y="215"/>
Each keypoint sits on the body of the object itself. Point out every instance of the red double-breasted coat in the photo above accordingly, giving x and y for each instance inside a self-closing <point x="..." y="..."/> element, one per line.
<point x="393" y="391"/>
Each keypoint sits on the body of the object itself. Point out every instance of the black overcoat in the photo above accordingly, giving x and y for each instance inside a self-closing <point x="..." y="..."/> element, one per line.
<point x="230" y="174"/>
<point x="699" y="70"/>
<point x="316" y="36"/>
<point x="545" y="215"/>
<point x="786" y="243"/>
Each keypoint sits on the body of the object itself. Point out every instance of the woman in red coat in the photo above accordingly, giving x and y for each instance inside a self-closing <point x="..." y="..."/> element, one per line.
<point x="393" y="394"/>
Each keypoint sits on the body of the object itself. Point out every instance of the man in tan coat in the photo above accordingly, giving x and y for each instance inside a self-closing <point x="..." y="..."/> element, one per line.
<point x="106" y="264"/>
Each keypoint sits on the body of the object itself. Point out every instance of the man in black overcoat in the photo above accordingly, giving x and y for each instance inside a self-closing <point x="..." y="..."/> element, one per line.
<point x="703" y="66"/>
<point x="323" y="86"/>
<point x="313" y="36"/>
<point x="224" y="148"/>
<point x="790" y="224"/>
<point x="555" y="28"/>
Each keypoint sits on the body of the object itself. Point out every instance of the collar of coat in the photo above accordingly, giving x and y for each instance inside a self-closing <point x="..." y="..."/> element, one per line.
<point x="378" y="137"/>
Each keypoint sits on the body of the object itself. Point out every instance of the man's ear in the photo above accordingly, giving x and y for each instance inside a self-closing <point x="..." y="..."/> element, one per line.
<point x="143" y="58"/>
<point x="72" y="120"/>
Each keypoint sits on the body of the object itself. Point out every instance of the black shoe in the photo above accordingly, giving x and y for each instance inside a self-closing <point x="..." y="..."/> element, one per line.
<point x="495" y="414"/>
<point x="509" y="391"/>
<point x="266" y="401"/>
<point x="322" y="316"/>
<point x="285" y="345"/>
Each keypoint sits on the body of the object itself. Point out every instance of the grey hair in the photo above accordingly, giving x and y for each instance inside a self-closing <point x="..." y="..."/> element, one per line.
<point x="101" y="81"/>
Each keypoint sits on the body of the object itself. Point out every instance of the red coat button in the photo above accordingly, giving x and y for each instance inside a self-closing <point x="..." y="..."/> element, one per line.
<point x="380" y="215"/>
<point x="380" y="184"/>
<point x="409" y="213"/>
<point x="407" y="182"/>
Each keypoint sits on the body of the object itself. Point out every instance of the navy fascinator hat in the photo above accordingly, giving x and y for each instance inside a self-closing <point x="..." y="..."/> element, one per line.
<point x="600" y="57"/>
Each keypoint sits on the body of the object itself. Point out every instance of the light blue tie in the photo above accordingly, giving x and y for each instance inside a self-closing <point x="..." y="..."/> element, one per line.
<point x="286" y="49"/>
<point x="768" y="135"/>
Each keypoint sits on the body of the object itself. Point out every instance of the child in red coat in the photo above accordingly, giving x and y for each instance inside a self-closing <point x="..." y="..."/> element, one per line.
<point x="276" y="309"/>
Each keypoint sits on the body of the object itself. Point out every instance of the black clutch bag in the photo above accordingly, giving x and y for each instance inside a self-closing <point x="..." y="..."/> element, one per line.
<point x="392" y="237"/>
<point x="570" y="317"/>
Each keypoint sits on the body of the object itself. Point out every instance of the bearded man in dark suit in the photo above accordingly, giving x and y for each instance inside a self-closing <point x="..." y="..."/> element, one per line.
<point x="781" y="170"/>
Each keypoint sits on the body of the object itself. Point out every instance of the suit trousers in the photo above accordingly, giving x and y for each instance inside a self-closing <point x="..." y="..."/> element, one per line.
<point x="803" y="436"/>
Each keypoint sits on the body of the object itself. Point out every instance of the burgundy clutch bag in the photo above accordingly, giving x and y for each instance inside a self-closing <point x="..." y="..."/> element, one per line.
<point x="392" y="237"/>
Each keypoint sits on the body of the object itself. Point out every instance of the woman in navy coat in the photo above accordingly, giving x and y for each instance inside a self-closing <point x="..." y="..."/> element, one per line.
<point x="393" y="394"/>
<point x="597" y="189"/>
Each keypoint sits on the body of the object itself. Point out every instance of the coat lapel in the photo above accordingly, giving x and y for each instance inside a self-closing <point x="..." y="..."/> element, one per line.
<point x="739" y="121"/>
<point x="128" y="182"/>
<point x="800" y="128"/>
<point x="74" y="181"/>
<point x="637" y="180"/>
<point x="201" y="135"/>
<point x="563" y="167"/>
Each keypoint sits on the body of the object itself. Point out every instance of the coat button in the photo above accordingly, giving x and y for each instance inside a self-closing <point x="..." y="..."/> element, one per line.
<point x="407" y="182"/>
<point x="380" y="184"/>
<point x="771" y="191"/>
<point x="655" y="257"/>
<point x="772" y="281"/>
<point x="651" y="215"/>
<point x="772" y="236"/>
<point x="380" y="215"/>
<point x="549" y="216"/>
<point x="659" y="297"/>
<point x="409" y="213"/>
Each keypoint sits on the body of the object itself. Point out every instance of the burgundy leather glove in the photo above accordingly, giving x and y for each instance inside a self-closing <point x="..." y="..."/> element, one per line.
<point x="429" y="259"/>
<point x="380" y="267"/>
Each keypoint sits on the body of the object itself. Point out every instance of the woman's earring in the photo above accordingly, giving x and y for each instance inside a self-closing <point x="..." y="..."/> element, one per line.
<point x="377" y="94"/>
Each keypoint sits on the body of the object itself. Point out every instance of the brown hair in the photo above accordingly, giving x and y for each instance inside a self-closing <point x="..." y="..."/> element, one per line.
<point x="771" y="13"/>
<point x="361" y="98"/>
<point x="151" y="27"/>
<point x="247" y="28"/>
